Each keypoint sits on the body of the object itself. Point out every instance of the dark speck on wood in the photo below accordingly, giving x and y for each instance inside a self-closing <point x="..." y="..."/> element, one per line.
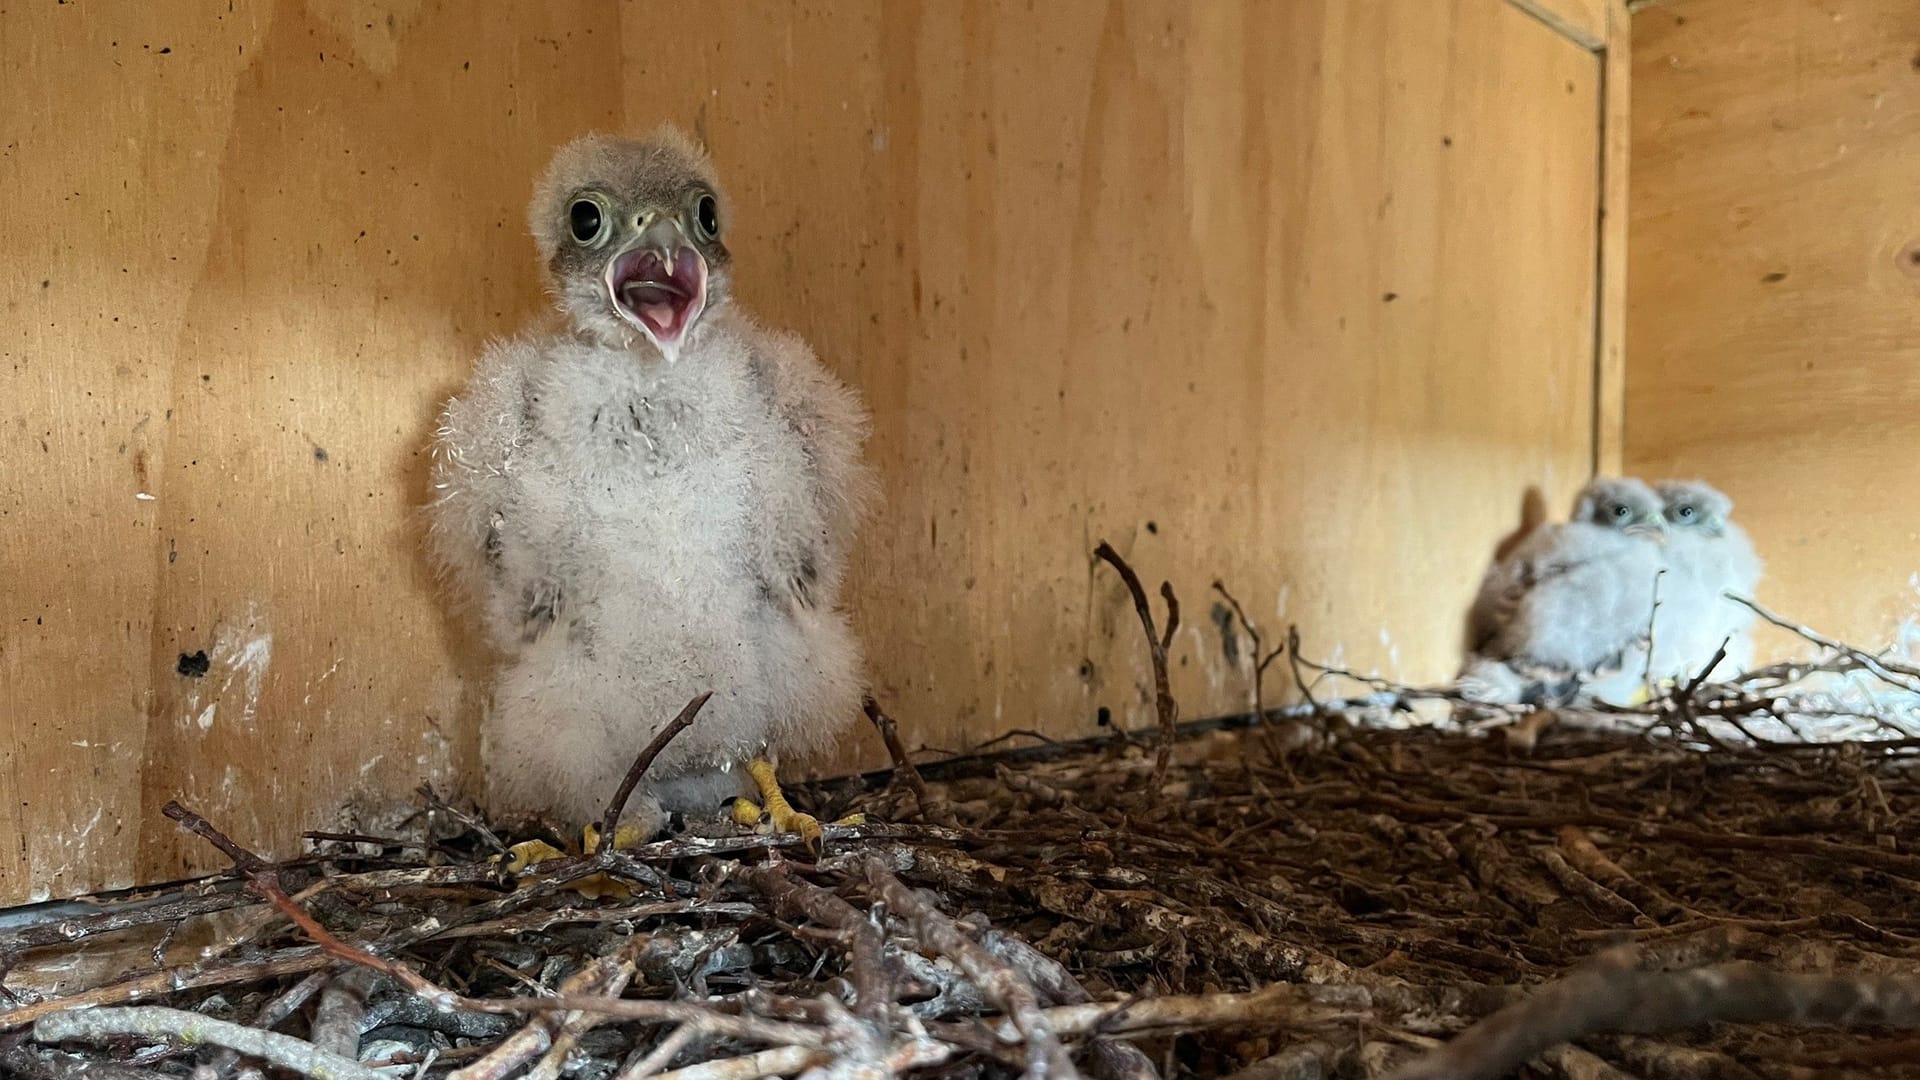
<point x="1770" y="278"/>
<point x="194" y="664"/>
<point x="1389" y="298"/>
<point x="320" y="453"/>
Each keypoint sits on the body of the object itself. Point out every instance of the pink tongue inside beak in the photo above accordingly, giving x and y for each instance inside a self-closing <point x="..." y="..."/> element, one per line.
<point x="661" y="297"/>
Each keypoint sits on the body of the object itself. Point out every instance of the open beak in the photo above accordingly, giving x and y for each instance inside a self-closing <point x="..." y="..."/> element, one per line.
<point x="658" y="284"/>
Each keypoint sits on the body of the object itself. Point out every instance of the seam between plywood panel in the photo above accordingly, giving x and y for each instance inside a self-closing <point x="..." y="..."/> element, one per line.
<point x="1610" y="266"/>
<point x="1592" y="38"/>
<point x="1609" y="43"/>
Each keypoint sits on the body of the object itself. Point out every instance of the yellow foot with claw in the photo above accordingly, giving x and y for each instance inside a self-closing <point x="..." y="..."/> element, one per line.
<point x="521" y="856"/>
<point x="531" y="853"/>
<point x="778" y="816"/>
<point x="747" y="814"/>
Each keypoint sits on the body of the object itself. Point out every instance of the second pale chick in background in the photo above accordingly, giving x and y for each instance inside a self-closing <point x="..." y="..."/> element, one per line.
<point x="653" y="501"/>
<point x="1708" y="556"/>
<point x="1570" y="602"/>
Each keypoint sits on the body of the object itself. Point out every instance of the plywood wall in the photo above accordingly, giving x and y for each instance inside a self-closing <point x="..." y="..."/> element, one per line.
<point x="1298" y="295"/>
<point x="1775" y="284"/>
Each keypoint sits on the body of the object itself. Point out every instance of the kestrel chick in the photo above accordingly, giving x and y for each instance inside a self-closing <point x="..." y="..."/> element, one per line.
<point x="655" y="500"/>
<point x="1708" y="556"/>
<point x="1570" y="600"/>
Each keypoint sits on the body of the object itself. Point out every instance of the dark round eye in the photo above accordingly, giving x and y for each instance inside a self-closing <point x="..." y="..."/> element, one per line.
<point x="706" y="215"/>
<point x="1685" y="511"/>
<point x="584" y="220"/>
<point x="1620" y="510"/>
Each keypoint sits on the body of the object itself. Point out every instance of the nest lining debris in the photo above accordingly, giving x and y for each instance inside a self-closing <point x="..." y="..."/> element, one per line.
<point x="1305" y="897"/>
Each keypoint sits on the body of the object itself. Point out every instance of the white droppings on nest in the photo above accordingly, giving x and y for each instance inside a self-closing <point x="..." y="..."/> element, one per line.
<point x="205" y="719"/>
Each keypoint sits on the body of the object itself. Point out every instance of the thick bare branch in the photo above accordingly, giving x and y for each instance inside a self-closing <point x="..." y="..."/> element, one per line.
<point x="183" y="1028"/>
<point x="1615" y="995"/>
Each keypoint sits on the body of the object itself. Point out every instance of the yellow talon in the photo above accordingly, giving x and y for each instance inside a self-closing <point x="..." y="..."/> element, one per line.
<point x="747" y="814"/>
<point x="852" y="819"/>
<point x="595" y="886"/>
<point x="521" y="856"/>
<point x="601" y="887"/>
<point x="780" y="814"/>
<point x="626" y="836"/>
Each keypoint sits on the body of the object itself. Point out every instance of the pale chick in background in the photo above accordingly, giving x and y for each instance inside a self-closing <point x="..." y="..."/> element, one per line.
<point x="652" y="501"/>
<point x="1708" y="556"/>
<point x="1570" y="602"/>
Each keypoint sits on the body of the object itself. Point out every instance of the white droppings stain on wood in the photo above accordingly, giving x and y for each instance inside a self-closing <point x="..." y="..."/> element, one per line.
<point x="1393" y="654"/>
<point x="92" y="824"/>
<point x="246" y="651"/>
<point x="324" y="676"/>
<point x="1211" y="661"/>
<point x="1280" y="602"/>
<point x="242" y="650"/>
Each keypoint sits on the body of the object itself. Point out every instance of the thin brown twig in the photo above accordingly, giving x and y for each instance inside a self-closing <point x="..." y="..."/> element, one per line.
<point x="931" y="808"/>
<point x="610" y="820"/>
<point x="1157" y="645"/>
<point x="296" y="961"/>
<point x="1892" y="672"/>
<point x="1260" y="661"/>
<point x="262" y="877"/>
<point x="106" y="922"/>
<point x="1293" y="662"/>
<point x="436" y="804"/>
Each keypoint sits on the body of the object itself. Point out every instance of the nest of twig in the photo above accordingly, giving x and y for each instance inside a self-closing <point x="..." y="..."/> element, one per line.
<point x="1309" y="896"/>
<point x="1299" y="901"/>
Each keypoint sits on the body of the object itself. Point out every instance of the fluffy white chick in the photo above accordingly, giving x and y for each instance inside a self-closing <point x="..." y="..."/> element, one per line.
<point x="1708" y="556"/>
<point x="1569" y="602"/>
<point x="655" y="500"/>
